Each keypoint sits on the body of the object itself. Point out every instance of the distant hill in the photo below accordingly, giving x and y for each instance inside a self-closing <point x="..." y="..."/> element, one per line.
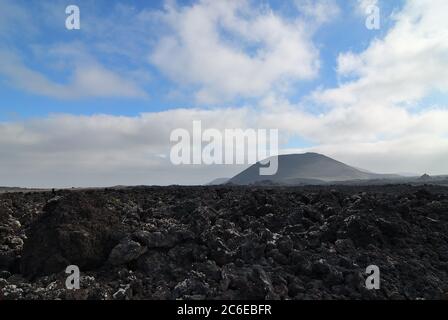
<point x="307" y="168"/>
<point x="218" y="181"/>
<point x="17" y="189"/>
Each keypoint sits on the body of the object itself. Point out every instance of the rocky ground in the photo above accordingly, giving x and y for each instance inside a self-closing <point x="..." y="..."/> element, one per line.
<point x="226" y="242"/>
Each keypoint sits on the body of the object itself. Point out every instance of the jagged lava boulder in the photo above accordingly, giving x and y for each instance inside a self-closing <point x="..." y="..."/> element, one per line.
<point x="75" y="229"/>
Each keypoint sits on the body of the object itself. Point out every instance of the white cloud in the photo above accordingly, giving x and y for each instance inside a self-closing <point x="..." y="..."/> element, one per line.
<point x="229" y="49"/>
<point x="409" y="63"/>
<point x="320" y="11"/>
<point x="87" y="80"/>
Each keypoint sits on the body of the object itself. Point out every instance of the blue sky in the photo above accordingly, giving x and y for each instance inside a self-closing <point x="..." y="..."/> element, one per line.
<point x="96" y="106"/>
<point x="46" y="30"/>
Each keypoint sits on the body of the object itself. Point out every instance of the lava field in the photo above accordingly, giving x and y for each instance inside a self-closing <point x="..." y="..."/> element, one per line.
<point x="226" y="242"/>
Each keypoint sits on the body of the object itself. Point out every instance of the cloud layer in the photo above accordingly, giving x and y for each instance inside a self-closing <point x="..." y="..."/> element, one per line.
<point x="67" y="150"/>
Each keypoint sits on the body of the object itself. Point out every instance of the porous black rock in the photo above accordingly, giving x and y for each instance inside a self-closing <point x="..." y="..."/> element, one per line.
<point x="78" y="229"/>
<point x="226" y="242"/>
<point x="126" y="251"/>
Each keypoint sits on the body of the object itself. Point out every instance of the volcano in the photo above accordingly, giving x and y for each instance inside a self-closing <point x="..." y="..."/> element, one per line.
<point x="307" y="168"/>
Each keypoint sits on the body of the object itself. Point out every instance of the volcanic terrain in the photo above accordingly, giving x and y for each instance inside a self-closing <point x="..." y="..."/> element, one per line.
<point x="226" y="242"/>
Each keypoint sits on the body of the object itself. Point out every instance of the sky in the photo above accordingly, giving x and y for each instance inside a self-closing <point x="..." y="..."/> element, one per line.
<point x="96" y="106"/>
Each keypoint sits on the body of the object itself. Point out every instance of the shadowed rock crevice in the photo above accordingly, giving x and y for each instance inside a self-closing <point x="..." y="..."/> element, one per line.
<point x="74" y="229"/>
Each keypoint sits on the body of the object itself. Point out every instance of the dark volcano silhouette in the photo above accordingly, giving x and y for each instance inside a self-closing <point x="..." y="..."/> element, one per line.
<point x="307" y="168"/>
